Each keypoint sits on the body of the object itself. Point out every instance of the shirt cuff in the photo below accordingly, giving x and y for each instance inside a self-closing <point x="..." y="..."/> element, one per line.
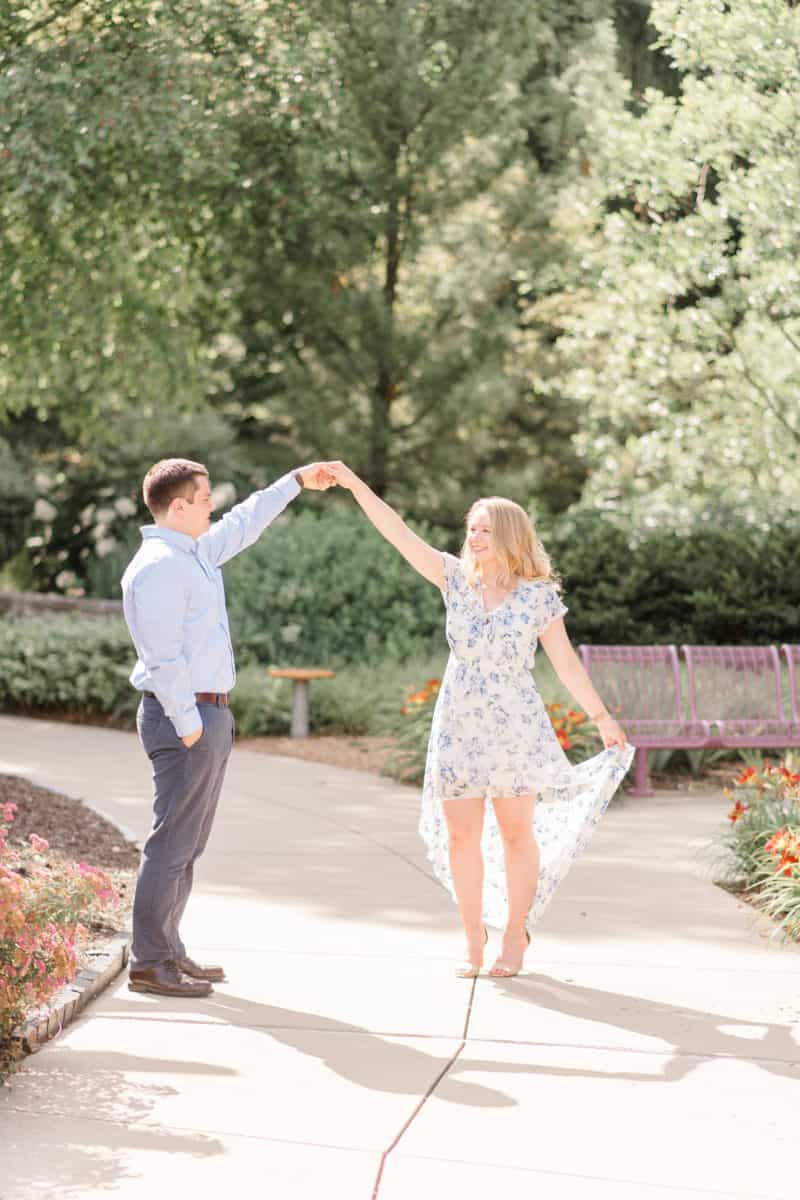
<point x="288" y="486"/>
<point x="188" y="722"/>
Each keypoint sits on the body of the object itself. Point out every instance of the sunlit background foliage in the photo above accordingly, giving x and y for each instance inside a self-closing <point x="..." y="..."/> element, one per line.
<point x="544" y="250"/>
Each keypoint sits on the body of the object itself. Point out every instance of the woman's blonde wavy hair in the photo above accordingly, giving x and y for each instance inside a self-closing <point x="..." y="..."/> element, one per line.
<point x="516" y="544"/>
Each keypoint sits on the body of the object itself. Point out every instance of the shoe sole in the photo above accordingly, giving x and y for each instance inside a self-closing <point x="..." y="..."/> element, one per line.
<point x="133" y="986"/>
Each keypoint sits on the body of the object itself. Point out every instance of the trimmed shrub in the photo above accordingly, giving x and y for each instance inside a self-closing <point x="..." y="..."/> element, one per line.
<point x="70" y="663"/>
<point x="324" y="589"/>
<point x="725" y="584"/>
<point x="81" y="667"/>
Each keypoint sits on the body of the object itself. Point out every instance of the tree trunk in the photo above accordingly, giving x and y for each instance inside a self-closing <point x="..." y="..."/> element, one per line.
<point x="386" y="382"/>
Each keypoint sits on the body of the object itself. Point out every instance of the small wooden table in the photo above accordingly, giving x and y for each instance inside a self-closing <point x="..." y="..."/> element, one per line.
<point x="300" y="677"/>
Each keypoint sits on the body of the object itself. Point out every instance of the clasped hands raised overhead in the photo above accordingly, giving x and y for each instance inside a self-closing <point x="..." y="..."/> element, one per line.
<point x="320" y="476"/>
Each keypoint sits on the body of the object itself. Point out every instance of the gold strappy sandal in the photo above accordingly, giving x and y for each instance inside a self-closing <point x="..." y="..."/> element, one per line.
<point x="468" y="970"/>
<point x="501" y="971"/>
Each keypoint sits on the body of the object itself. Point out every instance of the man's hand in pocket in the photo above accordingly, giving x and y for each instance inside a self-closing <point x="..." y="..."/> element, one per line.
<point x="191" y="738"/>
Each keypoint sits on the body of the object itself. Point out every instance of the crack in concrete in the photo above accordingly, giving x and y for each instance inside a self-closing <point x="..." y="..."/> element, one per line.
<point x="418" y="1108"/>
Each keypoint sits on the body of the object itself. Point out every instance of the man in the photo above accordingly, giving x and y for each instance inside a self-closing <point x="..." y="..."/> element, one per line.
<point x="174" y="603"/>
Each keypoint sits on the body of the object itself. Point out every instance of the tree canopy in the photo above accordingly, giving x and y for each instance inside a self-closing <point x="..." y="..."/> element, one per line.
<point x="543" y="250"/>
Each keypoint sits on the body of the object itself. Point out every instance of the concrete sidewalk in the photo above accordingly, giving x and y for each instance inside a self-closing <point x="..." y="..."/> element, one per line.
<point x="651" y="1051"/>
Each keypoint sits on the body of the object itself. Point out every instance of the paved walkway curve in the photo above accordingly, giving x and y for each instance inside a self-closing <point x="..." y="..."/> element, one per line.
<point x="651" y="1051"/>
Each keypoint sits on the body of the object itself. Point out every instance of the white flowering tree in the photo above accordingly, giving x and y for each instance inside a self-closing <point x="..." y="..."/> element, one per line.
<point x="681" y="334"/>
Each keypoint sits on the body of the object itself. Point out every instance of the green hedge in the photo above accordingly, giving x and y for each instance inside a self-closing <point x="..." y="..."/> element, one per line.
<point x="69" y="664"/>
<point x="725" y="584"/>
<point x="325" y="589"/>
<point x="78" y="666"/>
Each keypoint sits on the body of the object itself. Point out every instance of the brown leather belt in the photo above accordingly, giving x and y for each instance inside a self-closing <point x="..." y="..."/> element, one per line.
<point x="221" y="699"/>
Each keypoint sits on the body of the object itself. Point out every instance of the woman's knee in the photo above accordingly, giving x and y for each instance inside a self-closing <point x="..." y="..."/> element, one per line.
<point x="516" y="834"/>
<point x="464" y="835"/>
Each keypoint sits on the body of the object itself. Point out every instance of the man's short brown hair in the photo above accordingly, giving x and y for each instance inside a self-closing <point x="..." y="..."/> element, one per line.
<point x="170" y="478"/>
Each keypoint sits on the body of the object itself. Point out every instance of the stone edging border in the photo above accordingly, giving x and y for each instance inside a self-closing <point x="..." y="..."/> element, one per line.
<point x="103" y="965"/>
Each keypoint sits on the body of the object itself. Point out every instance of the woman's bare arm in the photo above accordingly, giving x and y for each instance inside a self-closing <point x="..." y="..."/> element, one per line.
<point x="422" y="557"/>
<point x="572" y="673"/>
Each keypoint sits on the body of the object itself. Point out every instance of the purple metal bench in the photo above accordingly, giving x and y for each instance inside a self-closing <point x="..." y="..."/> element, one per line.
<point x="734" y="697"/>
<point x="641" y="686"/>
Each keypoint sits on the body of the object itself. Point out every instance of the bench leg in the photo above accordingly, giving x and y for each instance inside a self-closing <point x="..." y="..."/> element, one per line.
<point x="300" y="709"/>
<point x="641" y="786"/>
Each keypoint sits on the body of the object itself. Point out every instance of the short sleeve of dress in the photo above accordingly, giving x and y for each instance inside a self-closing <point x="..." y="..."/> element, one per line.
<point x="548" y="606"/>
<point x="452" y="572"/>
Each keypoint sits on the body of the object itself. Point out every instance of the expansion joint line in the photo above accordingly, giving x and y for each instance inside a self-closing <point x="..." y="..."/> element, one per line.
<point x="442" y="1074"/>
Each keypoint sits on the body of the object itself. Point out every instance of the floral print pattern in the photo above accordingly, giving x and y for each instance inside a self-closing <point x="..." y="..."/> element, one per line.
<point x="491" y="736"/>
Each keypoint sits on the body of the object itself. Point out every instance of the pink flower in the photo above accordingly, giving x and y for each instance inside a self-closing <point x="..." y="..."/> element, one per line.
<point x="39" y="844"/>
<point x="9" y="812"/>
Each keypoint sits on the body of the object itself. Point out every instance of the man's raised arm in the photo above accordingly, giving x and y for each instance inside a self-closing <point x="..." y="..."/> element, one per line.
<point x="245" y="522"/>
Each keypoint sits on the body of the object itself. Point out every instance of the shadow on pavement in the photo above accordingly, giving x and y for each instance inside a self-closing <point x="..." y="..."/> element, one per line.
<point x="694" y="1034"/>
<point x="380" y="1063"/>
<point x="104" y="1115"/>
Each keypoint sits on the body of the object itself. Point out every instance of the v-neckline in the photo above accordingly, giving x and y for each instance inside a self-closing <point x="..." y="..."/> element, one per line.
<point x="489" y="612"/>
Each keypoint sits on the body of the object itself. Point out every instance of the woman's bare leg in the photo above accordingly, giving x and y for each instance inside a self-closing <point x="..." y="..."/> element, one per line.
<point x="464" y="827"/>
<point x="521" y="850"/>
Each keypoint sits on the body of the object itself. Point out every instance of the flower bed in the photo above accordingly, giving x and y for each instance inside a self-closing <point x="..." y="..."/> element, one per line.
<point x="761" y="847"/>
<point x="46" y="907"/>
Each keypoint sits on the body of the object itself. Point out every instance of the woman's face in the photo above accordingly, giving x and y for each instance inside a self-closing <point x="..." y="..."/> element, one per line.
<point x="479" y="537"/>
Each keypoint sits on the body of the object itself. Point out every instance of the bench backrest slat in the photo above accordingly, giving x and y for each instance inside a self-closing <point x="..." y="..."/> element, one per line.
<point x="792" y="654"/>
<point x="636" y="682"/>
<point x="729" y="682"/>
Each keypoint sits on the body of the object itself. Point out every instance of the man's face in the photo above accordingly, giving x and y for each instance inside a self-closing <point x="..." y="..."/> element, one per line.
<point x="194" y="516"/>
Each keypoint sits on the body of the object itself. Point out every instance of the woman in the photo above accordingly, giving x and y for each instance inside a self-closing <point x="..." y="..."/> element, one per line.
<point x="491" y="736"/>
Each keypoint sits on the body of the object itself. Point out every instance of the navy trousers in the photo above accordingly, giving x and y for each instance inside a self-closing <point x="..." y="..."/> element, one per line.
<point x="187" y="785"/>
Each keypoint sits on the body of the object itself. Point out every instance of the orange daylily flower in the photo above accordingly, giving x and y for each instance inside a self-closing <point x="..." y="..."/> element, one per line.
<point x="746" y="775"/>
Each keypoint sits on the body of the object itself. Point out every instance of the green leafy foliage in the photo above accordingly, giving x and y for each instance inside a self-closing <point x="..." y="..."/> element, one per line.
<point x="680" y="342"/>
<point x="324" y="589"/>
<point x="713" y="584"/>
<point x="78" y="666"/>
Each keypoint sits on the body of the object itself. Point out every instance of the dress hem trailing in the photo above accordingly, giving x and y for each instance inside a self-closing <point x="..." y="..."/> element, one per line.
<point x="567" y="812"/>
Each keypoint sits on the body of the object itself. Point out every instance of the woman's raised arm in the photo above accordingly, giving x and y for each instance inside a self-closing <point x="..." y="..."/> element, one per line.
<point x="423" y="558"/>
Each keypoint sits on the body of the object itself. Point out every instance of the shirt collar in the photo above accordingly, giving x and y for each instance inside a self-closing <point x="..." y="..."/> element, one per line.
<point x="181" y="541"/>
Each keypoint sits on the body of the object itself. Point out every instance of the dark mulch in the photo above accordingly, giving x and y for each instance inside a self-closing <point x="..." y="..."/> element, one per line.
<point x="73" y="830"/>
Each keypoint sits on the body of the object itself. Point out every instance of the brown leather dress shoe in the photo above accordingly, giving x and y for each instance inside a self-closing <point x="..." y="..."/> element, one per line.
<point x="196" y="971"/>
<point x="167" y="980"/>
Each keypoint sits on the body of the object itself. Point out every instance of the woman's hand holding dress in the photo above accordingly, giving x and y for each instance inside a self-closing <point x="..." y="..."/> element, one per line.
<point x="611" y="732"/>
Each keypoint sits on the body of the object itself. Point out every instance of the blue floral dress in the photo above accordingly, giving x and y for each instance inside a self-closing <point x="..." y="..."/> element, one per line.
<point x="491" y="736"/>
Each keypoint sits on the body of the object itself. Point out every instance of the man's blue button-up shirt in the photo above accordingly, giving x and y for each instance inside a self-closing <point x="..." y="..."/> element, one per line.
<point x="174" y="602"/>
